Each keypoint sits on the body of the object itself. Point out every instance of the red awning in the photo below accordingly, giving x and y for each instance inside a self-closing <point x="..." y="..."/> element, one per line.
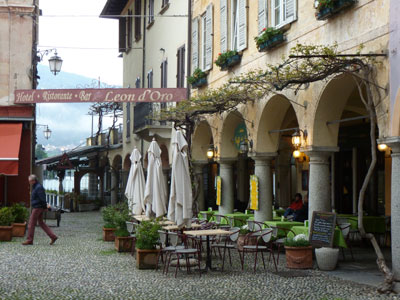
<point x="10" y="140"/>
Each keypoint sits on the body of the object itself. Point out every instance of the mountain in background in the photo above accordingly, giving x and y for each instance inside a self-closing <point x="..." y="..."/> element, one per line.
<point x="69" y="122"/>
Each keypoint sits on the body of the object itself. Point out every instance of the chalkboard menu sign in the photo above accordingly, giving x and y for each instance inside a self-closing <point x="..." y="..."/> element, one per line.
<point x="322" y="229"/>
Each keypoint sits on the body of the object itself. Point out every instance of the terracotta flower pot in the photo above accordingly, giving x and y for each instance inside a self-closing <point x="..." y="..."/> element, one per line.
<point x="124" y="243"/>
<point x="146" y="259"/>
<point x="5" y="233"/>
<point x="299" y="257"/>
<point x="108" y="234"/>
<point x="18" y="229"/>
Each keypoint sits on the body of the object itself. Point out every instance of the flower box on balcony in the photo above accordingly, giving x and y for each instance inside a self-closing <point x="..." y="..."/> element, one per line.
<point x="327" y="8"/>
<point x="198" y="79"/>
<point x="269" y="44"/>
<point x="228" y="59"/>
<point x="269" y="38"/>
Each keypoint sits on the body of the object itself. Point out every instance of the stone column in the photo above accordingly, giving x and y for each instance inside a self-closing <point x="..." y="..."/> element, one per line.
<point x="227" y="194"/>
<point x="394" y="143"/>
<point x="319" y="183"/>
<point x="198" y="177"/>
<point x="114" y="188"/>
<point x="92" y="188"/>
<point x="265" y="188"/>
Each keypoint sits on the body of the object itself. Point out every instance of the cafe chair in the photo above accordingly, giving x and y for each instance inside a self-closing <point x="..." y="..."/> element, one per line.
<point x="218" y="222"/>
<point x="255" y="225"/>
<point x="235" y="222"/>
<point x="345" y="228"/>
<point x="263" y="244"/>
<point x="184" y="255"/>
<point x="169" y="242"/>
<point x="226" y="243"/>
<point x="279" y="238"/>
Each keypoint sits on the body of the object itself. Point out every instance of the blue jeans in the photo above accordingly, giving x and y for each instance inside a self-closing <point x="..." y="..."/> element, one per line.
<point x="288" y="212"/>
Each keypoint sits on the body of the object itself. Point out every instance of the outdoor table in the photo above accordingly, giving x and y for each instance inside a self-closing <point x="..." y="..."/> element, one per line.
<point x="276" y="219"/>
<point x="209" y="214"/>
<point x="141" y="218"/>
<point x="338" y="239"/>
<point x="162" y="223"/>
<point x="207" y="233"/>
<point x="176" y="227"/>
<point x="279" y="212"/>
<point x="283" y="224"/>
<point x="372" y="224"/>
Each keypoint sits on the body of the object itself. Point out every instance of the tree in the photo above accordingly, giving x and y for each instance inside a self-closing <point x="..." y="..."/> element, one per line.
<point x="40" y="152"/>
<point x="305" y="64"/>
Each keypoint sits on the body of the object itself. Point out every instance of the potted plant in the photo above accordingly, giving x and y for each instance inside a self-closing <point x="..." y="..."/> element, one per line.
<point x="147" y="238"/>
<point x="109" y="227"/>
<point x="21" y="214"/>
<point x="326" y="8"/>
<point x="298" y="252"/>
<point x="228" y="59"/>
<point x="6" y="219"/>
<point x="198" y="79"/>
<point x="269" y="38"/>
<point x="123" y="239"/>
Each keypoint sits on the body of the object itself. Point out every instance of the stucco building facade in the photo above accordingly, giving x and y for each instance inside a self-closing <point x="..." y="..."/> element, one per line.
<point x="18" y="36"/>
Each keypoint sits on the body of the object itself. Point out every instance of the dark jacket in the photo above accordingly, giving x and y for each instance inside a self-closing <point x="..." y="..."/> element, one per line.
<point x="301" y="214"/>
<point x="38" y="196"/>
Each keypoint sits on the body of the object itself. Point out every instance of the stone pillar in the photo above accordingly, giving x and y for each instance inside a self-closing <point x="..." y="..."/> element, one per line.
<point x="265" y="189"/>
<point x="114" y="188"/>
<point x="394" y="143"/>
<point x="227" y="194"/>
<point x="319" y="184"/>
<point x="92" y="188"/>
<point x="198" y="178"/>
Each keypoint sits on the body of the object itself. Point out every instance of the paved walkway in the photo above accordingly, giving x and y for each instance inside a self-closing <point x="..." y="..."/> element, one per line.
<point x="81" y="266"/>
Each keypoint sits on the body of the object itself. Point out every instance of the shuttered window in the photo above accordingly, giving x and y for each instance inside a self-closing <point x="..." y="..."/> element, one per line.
<point x="151" y="11"/>
<point x="138" y="12"/>
<point x="180" y="67"/>
<point x="262" y="15"/>
<point x="129" y="33"/>
<point x="164" y="73"/>
<point x="150" y="79"/>
<point x="208" y="38"/>
<point x="122" y="34"/>
<point x="283" y="12"/>
<point x="137" y="82"/>
<point x="128" y="120"/>
<point x="224" y="25"/>
<point x="195" y="43"/>
<point x="239" y="24"/>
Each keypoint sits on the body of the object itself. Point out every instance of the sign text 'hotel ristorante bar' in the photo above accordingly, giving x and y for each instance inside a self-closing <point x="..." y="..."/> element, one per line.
<point x="100" y="95"/>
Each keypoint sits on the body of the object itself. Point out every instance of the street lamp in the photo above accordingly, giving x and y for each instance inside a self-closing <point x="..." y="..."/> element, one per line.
<point x="55" y="62"/>
<point x="211" y="152"/>
<point x="297" y="139"/>
<point x="46" y="131"/>
<point x="245" y="146"/>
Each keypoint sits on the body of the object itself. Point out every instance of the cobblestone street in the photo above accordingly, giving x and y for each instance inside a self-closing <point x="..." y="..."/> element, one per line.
<point x="81" y="266"/>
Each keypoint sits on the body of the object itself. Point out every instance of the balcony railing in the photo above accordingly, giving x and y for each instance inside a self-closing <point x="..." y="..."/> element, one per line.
<point x="142" y="112"/>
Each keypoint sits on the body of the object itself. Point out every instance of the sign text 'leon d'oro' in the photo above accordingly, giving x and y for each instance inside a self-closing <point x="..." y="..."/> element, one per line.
<point x="100" y="95"/>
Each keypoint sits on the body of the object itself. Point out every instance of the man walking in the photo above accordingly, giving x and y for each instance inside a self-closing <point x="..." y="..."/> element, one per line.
<point x="39" y="205"/>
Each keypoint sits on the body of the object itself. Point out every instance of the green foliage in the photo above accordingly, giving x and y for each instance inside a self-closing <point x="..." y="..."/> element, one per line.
<point x="322" y="4"/>
<point x="40" y="153"/>
<point x="291" y="242"/>
<point x="20" y="213"/>
<point x="108" y="214"/>
<point x="6" y="216"/>
<point x="267" y="34"/>
<point x="223" y="57"/>
<point x="147" y="235"/>
<point x="121" y="232"/>
<point x="197" y="75"/>
<point x="115" y="216"/>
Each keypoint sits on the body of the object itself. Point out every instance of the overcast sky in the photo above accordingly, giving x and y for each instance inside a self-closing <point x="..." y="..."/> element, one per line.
<point x="88" y="47"/>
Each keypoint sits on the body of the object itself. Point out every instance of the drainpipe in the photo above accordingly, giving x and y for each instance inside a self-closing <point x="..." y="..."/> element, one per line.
<point x="189" y="47"/>
<point x="144" y="46"/>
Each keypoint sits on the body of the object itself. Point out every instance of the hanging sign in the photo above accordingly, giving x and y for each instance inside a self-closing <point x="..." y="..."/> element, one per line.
<point x="219" y="189"/>
<point x="99" y="95"/>
<point x="240" y="135"/>
<point x="254" y="192"/>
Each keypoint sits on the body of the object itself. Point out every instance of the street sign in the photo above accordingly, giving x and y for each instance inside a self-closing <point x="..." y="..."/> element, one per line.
<point x="100" y="95"/>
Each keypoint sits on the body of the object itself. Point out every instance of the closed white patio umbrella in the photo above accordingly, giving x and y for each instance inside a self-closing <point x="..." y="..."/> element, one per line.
<point x="136" y="184"/>
<point x="181" y="199"/>
<point x="155" y="196"/>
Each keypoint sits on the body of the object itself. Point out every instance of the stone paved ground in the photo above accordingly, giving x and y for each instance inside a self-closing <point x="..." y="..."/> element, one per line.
<point x="81" y="266"/>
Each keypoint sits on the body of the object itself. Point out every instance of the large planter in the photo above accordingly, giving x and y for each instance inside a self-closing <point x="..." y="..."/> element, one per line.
<point x="231" y="61"/>
<point x="5" y="233"/>
<point x="271" y="43"/>
<point x="240" y="241"/>
<point x="18" y="229"/>
<point x="327" y="258"/>
<point x="199" y="83"/>
<point x="339" y="5"/>
<point x="299" y="257"/>
<point x="124" y="243"/>
<point x="108" y="234"/>
<point x="146" y="259"/>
